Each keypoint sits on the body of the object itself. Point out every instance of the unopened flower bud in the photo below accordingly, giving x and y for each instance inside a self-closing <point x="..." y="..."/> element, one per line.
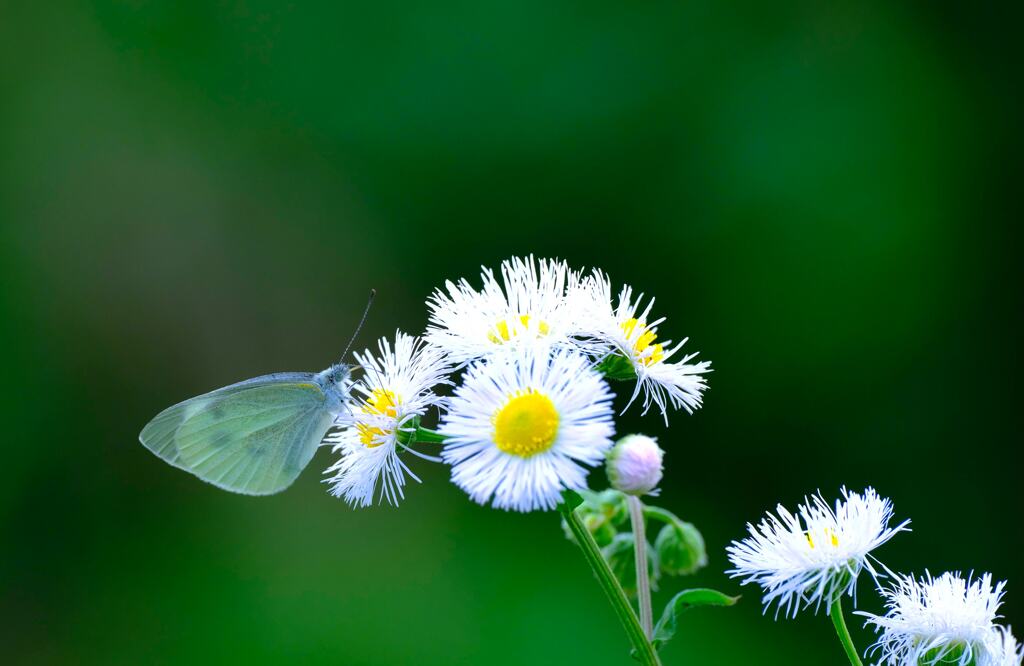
<point x="634" y="464"/>
<point x="680" y="549"/>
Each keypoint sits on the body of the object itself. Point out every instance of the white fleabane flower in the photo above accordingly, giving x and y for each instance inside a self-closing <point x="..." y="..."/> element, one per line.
<point x="814" y="556"/>
<point x="945" y="620"/>
<point x="395" y="388"/>
<point x="522" y="426"/>
<point x="1004" y="649"/>
<point x="625" y="338"/>
<point x="527" y="306"/>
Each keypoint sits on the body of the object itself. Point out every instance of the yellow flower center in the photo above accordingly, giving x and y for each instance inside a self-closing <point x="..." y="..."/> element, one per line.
<point x="644" y="349"/>
<point x="502" y="333"/>
<point x="830" y="533"/>
<point x="526" y="425"/>
<point x="380" y="402"/>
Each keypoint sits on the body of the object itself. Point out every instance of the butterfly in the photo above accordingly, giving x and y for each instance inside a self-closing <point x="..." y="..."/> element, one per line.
<point x="254" y="437"/>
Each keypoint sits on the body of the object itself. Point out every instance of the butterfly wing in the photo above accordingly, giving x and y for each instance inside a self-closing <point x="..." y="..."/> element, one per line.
<point x="253" y="438"/>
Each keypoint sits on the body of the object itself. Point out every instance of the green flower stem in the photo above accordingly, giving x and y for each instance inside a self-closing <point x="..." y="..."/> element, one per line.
<point x="414" y="433"/>
<point x="609" y="583"/>
<point x="643" y="581"/>
<point x="844" y="634"/>
<point x="428" y="436"/>
<point x="661" y="515"/>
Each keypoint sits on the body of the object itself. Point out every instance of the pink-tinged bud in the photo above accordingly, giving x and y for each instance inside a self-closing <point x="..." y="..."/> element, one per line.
<point x="634" y="464"/>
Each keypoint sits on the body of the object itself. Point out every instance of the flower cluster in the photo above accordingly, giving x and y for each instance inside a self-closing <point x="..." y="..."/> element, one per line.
<point x="517" y="374"/>
<point x="812" y="558"/>
<point x="530" y="354"/>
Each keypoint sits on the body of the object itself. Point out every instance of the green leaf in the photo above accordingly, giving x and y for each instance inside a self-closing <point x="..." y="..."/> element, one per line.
<point x="682" y="602"/>
<point x="570" y="500"/>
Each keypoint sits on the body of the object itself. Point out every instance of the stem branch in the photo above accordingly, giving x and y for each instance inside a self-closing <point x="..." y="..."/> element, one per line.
<point x="644" y="650"/>
<point x="661" y="515"/>
<point x="643" y="582"/>
<point x="836" y="611"/>
<point x="427" y="436"/>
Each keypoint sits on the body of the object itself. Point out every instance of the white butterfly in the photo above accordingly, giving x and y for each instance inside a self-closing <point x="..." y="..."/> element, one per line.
<point x="254" y="437"/>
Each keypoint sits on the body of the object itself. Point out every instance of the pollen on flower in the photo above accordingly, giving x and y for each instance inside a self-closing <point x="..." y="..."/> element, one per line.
<point x="644" y="349"/>
<point x="502" y="333"/>
<point x="830" y="533"/>
<point x="526" y="425"/>
<point x="380" y="402"/>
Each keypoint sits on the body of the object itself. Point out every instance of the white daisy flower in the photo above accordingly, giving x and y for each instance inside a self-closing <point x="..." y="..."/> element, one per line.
<point x="813" y="557"/>
<point x="944" y="620"/>
<point x="395" y="389"/>
<point x="528" y="305"/>
<point x="624" y="337"/>
<point x="1004" y="649"/>
<point x="521" y="427"/>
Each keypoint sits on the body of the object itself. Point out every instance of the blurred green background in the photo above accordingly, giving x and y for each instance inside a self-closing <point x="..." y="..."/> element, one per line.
<point x="824" y="198"/>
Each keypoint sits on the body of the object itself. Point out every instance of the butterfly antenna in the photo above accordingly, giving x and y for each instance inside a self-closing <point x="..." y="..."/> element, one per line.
<point x="362" y="320"/>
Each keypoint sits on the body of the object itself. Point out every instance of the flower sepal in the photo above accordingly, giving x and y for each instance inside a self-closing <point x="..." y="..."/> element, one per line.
<point x="406" y="435"/>
<point x="617" y="367"/>
<point x="950" y="654"/>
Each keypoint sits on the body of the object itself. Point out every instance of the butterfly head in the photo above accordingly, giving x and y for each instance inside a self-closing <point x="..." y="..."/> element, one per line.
<point x="339" y="374"/>
<point x="336" y="382"/>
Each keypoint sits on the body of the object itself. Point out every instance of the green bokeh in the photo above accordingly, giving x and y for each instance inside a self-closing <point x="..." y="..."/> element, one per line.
<point x="191" y="193"/>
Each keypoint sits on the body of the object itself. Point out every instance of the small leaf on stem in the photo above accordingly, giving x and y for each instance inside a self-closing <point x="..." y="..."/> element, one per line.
<point x="682" y="602"/>
<point x="570" y="500"/>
